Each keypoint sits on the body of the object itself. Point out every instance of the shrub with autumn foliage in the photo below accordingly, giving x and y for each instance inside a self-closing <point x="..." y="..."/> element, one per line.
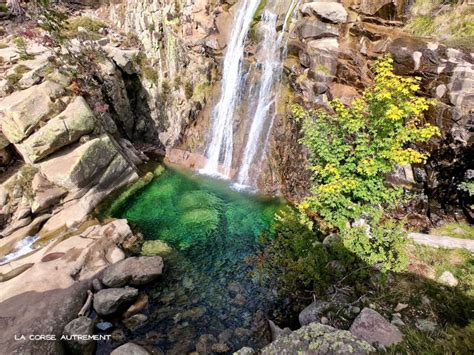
<point x="352" y="149"/>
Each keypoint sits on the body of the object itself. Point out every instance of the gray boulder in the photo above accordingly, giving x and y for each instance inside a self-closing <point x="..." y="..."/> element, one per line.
<point x="332" y="11"/>
<point x="375" y="329"/>
<point x="108" y="301"/>
<point x="81" y="326"/>
<point x="317" y="339"/>
<point x="130" y="349"/>
<point x="313" y="312"/>
<point x="133" y="271"/>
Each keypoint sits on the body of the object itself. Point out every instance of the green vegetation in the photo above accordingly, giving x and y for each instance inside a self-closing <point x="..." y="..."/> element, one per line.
<point x="3" y="8"/>
<point x="17" y="74"/>
<point x="83" y="27"/>
<point x="451" y="22"/>
<point x="422" y="25"/>
<point x="188" y="90"/>
<point x="352" y="150"/>
<point x="295" y="259"/>
<point x="21" y="182"/>
<point x="455" y="230"/>
<point x="22" y="48"/>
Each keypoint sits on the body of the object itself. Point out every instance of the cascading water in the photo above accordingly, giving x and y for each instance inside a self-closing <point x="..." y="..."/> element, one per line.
<point x="220" y="148"/>
<point x="274" y="51"/>
<point x="270" y="64"/>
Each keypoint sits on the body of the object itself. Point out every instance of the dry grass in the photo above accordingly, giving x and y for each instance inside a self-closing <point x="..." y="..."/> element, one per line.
<point x="448" y="22"/>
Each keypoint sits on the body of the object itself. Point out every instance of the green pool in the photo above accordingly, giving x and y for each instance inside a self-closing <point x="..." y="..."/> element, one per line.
<point x="209" y="288"/>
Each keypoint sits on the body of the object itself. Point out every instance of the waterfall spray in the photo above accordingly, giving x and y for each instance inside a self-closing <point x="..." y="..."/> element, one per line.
<point x="220" y="148"/>
<point x="274" y="47"/>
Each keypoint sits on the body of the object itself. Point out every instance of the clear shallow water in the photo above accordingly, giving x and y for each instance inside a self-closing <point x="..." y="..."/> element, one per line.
<point x="207" y="287"/>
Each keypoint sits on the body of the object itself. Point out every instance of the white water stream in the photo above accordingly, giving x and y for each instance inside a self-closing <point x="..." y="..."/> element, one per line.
<point x="220" y="149"/>
<point x="272" y="49"/>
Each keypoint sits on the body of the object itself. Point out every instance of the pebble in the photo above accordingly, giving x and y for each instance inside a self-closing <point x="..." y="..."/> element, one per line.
<point x="448" y="279"/>
<point x="400" y="307"/>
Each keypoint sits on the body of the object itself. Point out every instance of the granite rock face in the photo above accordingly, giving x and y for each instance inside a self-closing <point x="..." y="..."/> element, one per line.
<point x="66" y="128"/>
<point x="21" y="112"/>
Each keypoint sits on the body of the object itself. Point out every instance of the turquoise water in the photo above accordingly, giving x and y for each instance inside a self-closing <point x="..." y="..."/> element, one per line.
<point x="208" y="287"/>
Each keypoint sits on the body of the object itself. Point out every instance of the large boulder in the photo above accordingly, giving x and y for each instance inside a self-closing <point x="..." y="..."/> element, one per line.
<point x="130" y="349"/>
<point x="317" y="339"/>
<point x="133" y="271"/>
<point x="21" y="112"/>
<point x="375" y="329"/>
<point x="81" y="165"/>
<point x="66" y="128"/>
<point x="76" y="332"/>
<point x="110" y="300"/>
<point x="332" y="11"/>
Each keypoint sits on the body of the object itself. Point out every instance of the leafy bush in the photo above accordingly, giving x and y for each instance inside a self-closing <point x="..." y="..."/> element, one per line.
<point x="352" y="150"/>
<point x="22" y="48"/>
<point x="295" y="260"/>
<point x="382" y="245"/>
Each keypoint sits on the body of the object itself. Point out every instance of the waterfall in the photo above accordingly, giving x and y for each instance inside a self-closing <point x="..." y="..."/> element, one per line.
<point x="220" y="148"/>
<point x="274" y="48"/>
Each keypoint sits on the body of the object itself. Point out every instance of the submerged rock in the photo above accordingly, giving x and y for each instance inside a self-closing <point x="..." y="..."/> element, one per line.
<point x="316" y="338"/>
<point x="133" y="271"/>
<point x="108" y="301"/>
<point x="155" y="247"/>
<point x="135" y="321"/>
<point x="375" y="329"/>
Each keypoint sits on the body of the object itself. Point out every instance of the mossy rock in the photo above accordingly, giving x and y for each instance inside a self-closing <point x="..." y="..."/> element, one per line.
<point x="316" y="338"/>
<point x="155" y="247"/>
